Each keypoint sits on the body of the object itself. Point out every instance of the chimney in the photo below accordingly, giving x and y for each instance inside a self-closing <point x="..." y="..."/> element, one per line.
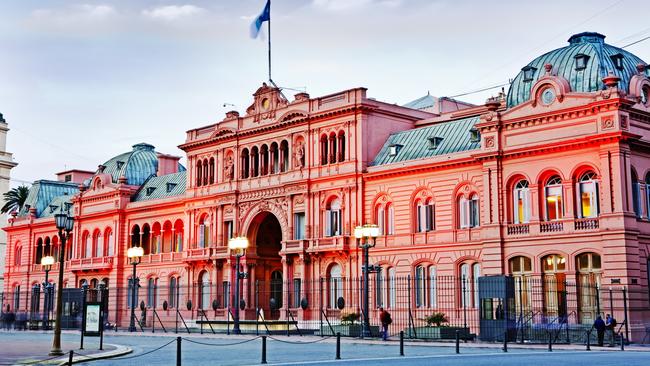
<point x="167" y="164"/>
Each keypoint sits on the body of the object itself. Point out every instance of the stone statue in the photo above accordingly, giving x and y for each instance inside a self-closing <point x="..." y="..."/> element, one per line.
<point x="229" y="168"/>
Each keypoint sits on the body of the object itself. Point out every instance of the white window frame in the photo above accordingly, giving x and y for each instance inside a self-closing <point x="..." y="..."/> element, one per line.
<point x="521" y="194"/>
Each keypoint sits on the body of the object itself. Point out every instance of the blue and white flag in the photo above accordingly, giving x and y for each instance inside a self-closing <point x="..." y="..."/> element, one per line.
<point x="265" y="16"/>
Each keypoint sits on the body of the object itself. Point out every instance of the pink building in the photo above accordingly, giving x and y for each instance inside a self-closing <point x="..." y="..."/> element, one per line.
<point x="549" y="184"/>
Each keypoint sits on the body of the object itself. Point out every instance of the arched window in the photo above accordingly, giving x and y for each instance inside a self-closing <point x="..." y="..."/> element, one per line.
<point x="589" y="280"/>
<point x="94" y="283"/>
<point x="433" y="286"/>
<point x="88" y="245"/>
<point x="468" y="210"/>
<point x="255" y="162"/>
<point x="178" y="236"/>
<point x="335" y="282"/>
<point x="135" y="236"/>
<point x="333" y="218"/>
<point x="588" y="188"/>
<point x="554" y="198"/>
<point x="521" y="269"/>
<point x="385" y="218"/>
<point x="109" y="243"/>
<point x="420" y="286"/>
<point x="274" y="161"/>
<point x="152" y="289"/>
<point x="284" y="156"/>
<point x="55" y="248"/>
<point x="167" y="239"/>
<point x="204" y="232"/>
<point x="469" y="275"/>
<point x="647" y="192"/>
<point x="204" y="296"/>
<point x="379" y="292"/>
<point x="245" y="164"/>
<point x="156" y="245"/>
<point x="465" y="285"/>
<point x="47" y="247"/>
<point x="173" y="292"/>
<point x="206" y="173"/>
<point x="521" y="202"/>
<point x="323" y="150"/>
<point x="264" y="160"/>
<point x="97" y="244"/>
<point x="425" y="215"/>
<point x="146" y="239"/>
<point x="18" y="255"/>
<point x="476" y="273"/>
<point x="554" y="283"/>
<point x="211" y="170"/>
<point x="68" y="248"/>
<point x="341" y="150"/>
<point x="391" y="288"/>
<point x="332" y="154"/>
<point x="276" y="288"/>
<point x="199" y="173"/>
<point x="39" y="251"/>
<point x="636" y="194"/>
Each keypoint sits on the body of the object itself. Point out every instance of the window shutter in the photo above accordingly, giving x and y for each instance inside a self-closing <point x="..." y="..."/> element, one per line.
<point x="462" y="206"/>
<point x="595" y="200"/>
<point x="391" y="223"/>
<point x="526" y="197"/>
<point x="201" y="235"/>
<point x="380" y="220"/>
<point x="328" y="222"/>
<point x="421" y="219"/>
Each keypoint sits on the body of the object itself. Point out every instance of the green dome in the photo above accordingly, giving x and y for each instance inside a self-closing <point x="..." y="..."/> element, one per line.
<point x="583" y="63"/>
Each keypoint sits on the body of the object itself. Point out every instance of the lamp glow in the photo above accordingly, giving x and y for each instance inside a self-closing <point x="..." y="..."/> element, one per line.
<point x="47" y="261"/>
<point x="135" y="252"/>
<point x="238" y="243"/>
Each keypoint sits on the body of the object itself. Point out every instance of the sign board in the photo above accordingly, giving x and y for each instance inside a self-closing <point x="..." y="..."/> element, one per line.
<point x="93" y="319"/>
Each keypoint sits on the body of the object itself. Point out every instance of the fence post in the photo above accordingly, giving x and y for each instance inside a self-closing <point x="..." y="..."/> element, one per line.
<point x="597" y="300"/>
<point x="521" y="311"/>
<point x="622" y="342"/>
<point x="70" y="358"/>
<point x="320" y="303"/>
<point x="401" y="343"/>
<point x="589" y="341"/>
<point x="505" y="341"/>
<point x="178" y="351"/>
<point x="408" y="289"/>
<point x="464" y="304"/>
<point x="611" y="302"/>
<point x="457" y="341"/>
<point x="338" y="346"/>
<point x="627" y="334"/>
<point x="263" y="349"/>
<point x="550" y="341"/>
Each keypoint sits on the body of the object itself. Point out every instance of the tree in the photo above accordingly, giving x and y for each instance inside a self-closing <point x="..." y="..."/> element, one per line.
<point x="15" y="199"/>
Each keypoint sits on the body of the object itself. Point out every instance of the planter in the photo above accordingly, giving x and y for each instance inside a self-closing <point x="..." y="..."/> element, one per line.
<point x="348" y="330"/>
<point x="437" y="332"/>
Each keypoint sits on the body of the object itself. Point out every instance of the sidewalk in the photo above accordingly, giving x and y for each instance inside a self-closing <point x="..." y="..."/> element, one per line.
<point x="30" y="347"/>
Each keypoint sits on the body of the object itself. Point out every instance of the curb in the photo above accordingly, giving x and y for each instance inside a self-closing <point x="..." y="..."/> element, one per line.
<point x="118" y="351"/>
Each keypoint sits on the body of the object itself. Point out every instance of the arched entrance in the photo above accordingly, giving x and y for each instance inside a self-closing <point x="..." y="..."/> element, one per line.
<point x="265" y="232"/>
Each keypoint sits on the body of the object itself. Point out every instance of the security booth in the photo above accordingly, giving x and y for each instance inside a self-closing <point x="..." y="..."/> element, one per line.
<point x="497" y="308"/>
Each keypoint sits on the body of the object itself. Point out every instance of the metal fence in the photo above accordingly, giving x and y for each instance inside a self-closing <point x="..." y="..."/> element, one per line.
<point x="531" y="309"/>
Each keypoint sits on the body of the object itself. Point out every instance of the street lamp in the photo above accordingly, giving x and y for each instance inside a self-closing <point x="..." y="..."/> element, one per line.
<point x="237" y="247"/>
<point x="46" y="263"/>
<point x="364" y="234"/>
<point x="64" y="223"/>
<point x="135" y="255"/>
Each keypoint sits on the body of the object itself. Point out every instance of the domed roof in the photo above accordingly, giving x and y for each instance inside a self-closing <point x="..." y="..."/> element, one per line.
<point x="583" y="63"/>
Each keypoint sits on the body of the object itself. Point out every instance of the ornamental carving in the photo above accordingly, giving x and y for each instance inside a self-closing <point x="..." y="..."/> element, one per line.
<point x="607" y="123"/>
<point x="489" y="142"/>
<point x="300" y="198"/>
<point x="228" y="168"/>
<point x="624" y="122"/>
<point x="299" y="155"/>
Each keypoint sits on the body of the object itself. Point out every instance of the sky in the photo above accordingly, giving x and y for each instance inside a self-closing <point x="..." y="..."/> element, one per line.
<point x="83" y="81"/>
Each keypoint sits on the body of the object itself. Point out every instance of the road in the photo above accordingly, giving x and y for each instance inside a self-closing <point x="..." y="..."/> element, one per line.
<point x="224" y="351"/>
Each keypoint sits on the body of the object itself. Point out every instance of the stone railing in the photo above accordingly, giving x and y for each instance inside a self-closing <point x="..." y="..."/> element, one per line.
<point x="518" y="229"/>
<point x="587" y="224"/>
<point x="551" y="227"/>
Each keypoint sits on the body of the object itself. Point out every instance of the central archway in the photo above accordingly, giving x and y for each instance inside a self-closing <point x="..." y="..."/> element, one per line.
<point x="265" y="232"/>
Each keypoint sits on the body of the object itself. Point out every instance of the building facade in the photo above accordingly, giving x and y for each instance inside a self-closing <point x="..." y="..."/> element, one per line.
<point x="6" y="164"/>
<point x="547" y="182"/>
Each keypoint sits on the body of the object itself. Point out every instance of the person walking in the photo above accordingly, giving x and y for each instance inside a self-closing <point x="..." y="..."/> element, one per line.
<point x="385" y="319"/>
<point x="610" y="325"/>
<point x="599" y="325"/>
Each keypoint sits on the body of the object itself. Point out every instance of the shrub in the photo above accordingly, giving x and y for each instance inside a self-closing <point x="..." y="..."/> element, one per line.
<point x="436" y="319"/>
<point x="350" y="318"/>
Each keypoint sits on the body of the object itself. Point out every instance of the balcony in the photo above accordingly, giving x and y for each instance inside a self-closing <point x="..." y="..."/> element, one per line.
<point x="586" y="224"/>
<point x="331" y="243"/>
<point x="551" y="227"/>
<point x="91" y="264"/>
<point x="295" y="246"/>
<point x="567" y="226"/>
<point x="162" y="257"/>
<point x="518" y="229"/>
<point x="198" y="254"/>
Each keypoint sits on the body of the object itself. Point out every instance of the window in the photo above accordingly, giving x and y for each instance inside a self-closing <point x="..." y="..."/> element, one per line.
<point x="588" y="189"/>
<point x="392" y="293"/>
<point x="108" y="237"/>
<point x="394" y="149"/>
<point x="199" y="173"/>
<point x="284" y="156"/>
<point x="68" y="178"/>
<point x="88" y="246"/>
<point x="341" y="149"/>
<point x="16" y="298"/>
<point x="434" y="142"/>
<point x="275" y="166"/>
<point x="204" y="296"/>
<point x="465" y="285"/>
<point x="229" y="230"/>
<point x="521" y="202"/>
<point x="245" y="164"/>
<point x="204" y="233"/>
<point x="379" y="293"/>
<point x="335" y="282"/>
<point x="469" y="212"/>
<point x="636" y="194"/>
<point x="333" y="218"/>
<point x="469" y="275"/>
<point x="474" y="135"/>
<point x="433" y="294"/>
<point x="211" y="170"/>
<point x="332" y="148"/>
<point x="554" y="283"/>
<point x="617" y="59"/>
<point x="173" y="292"/>
<point x="296" y="292"/>
<point x="323" y="150"/>
<point x="130" y="301"/>
<point x="18" y="255"/>
<point x="255" y="162"/>
<point x="97" y="245"/>
<point x="521" y="270"/>
<point x="277" y="288"/>
<point x="581" y="61"/>
<point x="476" y="273"/>
<point x="178" y="236"/>
<point x="420" y="286"/>
<point x="226" y="294"/>
<point x="152" y="293"/>
<point x="644" y="94"/>
<point x="299" y="225"/>
<point x="529" y="73"/>
<point x="425" y="217"/>
<point x="553" y="193"/>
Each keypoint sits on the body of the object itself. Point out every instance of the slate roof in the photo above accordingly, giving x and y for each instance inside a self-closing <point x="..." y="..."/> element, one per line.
<point x="57" y="205"/>
<point x="165" y="186"/>
<point x="453" y="136"/>
<point x="589" y="79"/>
<point x="424" y="102"/>
<point x="42" y="192"/>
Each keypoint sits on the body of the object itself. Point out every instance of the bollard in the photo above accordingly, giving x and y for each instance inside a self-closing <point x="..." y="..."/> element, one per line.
<point x="263" y="349"/>
<point x="550" y="342"/>
<point x="401" y="343"/>
<point x="457" y="341"/>
<point x="338" y="346"/>
<point x="622" y="342"/>
<point x="505" y="341"/>
<point x="178" y="351"/>
<point x="70" y="358"/>
<point x="588" y="341"/>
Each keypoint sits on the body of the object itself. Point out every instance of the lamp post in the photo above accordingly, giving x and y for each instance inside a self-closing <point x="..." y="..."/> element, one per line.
<point x="64" y="223"/>
<point x="135" y="255"/>
<point x="237" y="247"/>
<point x="363" y="234"/>
<point x="46" y="263"/>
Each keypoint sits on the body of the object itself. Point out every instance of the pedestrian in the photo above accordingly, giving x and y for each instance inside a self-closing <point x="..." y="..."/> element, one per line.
<point x="599" y="325"/>
<point x="610" y="325"/>
<point x="10" y="318"/>
<point x="385" y="319"/>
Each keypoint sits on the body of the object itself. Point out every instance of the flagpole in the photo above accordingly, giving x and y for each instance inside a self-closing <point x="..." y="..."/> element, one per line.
<point x="269" y="27"/>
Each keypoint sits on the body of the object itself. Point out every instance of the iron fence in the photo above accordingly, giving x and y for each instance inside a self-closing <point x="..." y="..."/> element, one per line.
<point x="436" y="307"/>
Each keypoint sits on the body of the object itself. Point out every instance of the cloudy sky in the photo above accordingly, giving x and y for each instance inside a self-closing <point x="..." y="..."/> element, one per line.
<point x="82" y="81"/>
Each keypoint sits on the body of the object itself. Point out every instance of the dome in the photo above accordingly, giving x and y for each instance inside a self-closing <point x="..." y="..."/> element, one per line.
<point x="583" y="63"/>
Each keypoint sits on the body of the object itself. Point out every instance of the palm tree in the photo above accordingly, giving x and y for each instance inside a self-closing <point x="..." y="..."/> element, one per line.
<point x="15" y="199"/>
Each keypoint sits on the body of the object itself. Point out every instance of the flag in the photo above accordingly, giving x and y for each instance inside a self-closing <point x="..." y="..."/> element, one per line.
<point x="265" y="16"/>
